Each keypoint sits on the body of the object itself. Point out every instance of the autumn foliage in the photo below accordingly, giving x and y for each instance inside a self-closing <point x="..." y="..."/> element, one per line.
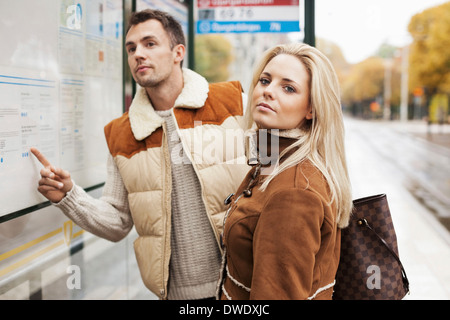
<point x="427" y="70"/>
<point x="430" y="51"/>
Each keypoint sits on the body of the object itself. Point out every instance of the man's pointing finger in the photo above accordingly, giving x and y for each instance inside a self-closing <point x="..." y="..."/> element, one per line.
<point x="40" y="157"/>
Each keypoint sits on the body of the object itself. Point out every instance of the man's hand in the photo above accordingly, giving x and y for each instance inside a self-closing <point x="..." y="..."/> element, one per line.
<point x="54" y="182"/>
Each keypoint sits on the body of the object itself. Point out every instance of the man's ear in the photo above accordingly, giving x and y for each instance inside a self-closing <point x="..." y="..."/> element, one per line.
<point x="179" y="53"/>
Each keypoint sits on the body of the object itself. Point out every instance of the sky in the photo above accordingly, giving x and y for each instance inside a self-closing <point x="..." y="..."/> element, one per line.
<point x="359" y="27"/>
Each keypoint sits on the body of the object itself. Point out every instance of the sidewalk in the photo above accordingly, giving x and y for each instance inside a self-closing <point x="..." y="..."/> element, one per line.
<point x="434" y="133"/>
<point x="424" y="244"/>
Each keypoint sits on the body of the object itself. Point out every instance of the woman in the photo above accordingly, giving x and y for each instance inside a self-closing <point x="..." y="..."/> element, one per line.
<point x="282" y="230"/>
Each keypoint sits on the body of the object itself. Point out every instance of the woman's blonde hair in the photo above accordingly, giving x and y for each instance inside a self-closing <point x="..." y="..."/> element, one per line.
<point x="322" y="139"/>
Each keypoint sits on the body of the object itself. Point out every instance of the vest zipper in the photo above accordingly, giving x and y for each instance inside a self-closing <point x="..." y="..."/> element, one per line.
<point x="188" y="153"/>
<point x="167" y="190"/>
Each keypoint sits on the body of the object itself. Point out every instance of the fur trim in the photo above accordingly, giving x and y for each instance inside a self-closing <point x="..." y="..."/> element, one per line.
<point x="251" y="146"/>
<point x="143" y="118"/>
<point x="237" y="283"/>
<point x="221" y="274"/>
<point x="328" y="286"/>
<point x="195" y="91"/>
<point x="289" y="133"/>
<point x="226" y="293"/>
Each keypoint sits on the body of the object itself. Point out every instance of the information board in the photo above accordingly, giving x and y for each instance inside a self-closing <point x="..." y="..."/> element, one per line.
<point x="247" y="16"/>
<point x="60" y="83"/>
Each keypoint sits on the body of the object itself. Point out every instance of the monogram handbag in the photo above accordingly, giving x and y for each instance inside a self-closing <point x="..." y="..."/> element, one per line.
<point x="370" y="267"/>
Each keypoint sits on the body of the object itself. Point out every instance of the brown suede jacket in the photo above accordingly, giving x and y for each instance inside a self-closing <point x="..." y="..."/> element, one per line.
<point x="282" y="243"/>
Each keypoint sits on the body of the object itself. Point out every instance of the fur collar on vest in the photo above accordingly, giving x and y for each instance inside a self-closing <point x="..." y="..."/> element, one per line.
<point x="143" y="118"/>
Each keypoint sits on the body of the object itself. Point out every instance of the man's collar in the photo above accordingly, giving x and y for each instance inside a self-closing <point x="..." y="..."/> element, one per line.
<point x="143" y="118"/>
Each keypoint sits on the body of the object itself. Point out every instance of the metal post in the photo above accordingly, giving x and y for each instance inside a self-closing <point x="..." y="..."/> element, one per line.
<point x="404" y="85"/>
<point x="191" y="35"/>
<point x="310" y="32"/>
<point x="387" y="89"/>
<point x="133" y="83"/>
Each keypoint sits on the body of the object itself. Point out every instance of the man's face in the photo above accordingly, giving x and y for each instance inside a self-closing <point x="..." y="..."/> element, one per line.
<point x="150" y="56"/>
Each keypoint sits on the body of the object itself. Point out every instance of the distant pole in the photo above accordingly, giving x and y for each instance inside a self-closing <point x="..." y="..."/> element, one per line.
<point x="310" y="32"/>
<point x="404" y="84"/>
<point x="387" y="89"/>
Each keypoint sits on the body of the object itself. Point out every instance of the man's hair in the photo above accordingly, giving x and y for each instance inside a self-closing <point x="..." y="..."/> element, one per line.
<point x="172" y="26"/>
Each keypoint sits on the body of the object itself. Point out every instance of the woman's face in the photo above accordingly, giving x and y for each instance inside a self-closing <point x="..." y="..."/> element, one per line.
<point x="280" y="99"/>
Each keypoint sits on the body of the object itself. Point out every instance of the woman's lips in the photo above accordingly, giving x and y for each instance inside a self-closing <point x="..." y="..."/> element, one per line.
<point x="264" y="107"/>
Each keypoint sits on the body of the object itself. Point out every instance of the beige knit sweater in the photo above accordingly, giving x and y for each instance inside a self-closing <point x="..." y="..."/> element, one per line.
<point x="195" y="258"/>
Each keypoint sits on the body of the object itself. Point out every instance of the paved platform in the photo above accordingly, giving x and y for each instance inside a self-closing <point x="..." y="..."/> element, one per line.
<point x="424" y="244"/>
<point x="435" y="134"/>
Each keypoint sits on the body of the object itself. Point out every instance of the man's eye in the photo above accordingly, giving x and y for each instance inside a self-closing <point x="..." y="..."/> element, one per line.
<point x="131" y="49"/>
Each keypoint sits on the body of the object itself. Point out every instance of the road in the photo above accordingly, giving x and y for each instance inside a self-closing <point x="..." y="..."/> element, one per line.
<point x="411" y="157"/>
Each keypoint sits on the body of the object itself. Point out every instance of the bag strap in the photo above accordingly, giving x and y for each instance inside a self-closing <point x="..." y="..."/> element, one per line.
<point x="364" y="223"/>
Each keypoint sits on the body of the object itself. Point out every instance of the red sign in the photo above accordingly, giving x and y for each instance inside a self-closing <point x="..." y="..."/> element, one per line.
<point x="203" y="4"/>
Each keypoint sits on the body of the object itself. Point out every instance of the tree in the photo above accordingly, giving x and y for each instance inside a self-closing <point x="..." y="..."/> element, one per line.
<point x="365" y="81"/>
<point x="362" y="84"/>
<point x="336" y="57"/>
<point x="212" y="57"/>
<point x="430" y="50"/>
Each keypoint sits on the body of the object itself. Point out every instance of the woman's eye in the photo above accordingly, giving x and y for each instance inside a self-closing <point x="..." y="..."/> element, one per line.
<point x="289" y="89"/>
<point x="264" y="81"/>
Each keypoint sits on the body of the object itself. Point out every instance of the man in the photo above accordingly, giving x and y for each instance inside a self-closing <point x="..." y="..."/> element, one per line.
<point x="163" y="175"/>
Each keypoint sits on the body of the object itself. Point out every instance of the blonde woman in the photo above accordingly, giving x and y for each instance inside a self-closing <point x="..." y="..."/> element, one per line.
<point x="282" y="230"/>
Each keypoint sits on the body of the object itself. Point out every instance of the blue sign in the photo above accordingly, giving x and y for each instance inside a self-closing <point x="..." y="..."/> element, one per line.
<point x="211" y="26"/>
<point x="249" y="16"/>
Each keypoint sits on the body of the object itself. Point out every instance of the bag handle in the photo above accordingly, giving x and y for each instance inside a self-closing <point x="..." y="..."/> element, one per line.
<point x="364" y="223"/>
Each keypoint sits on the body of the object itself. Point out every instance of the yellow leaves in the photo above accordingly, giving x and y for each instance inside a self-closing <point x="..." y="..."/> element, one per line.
<point x="365" y="80"/>
<point x="375" y="82"/>
<point x="212" y="56"/>
<point x="439" y="108"/>
<point x="430" y="51"/>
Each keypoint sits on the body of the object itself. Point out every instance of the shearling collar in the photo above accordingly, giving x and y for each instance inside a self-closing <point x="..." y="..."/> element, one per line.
<point x="143" y="118"/>
<point x="264" y="146"/>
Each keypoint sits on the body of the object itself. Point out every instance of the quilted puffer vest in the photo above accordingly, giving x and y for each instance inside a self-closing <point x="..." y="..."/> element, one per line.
<point x="209" y="122"/>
